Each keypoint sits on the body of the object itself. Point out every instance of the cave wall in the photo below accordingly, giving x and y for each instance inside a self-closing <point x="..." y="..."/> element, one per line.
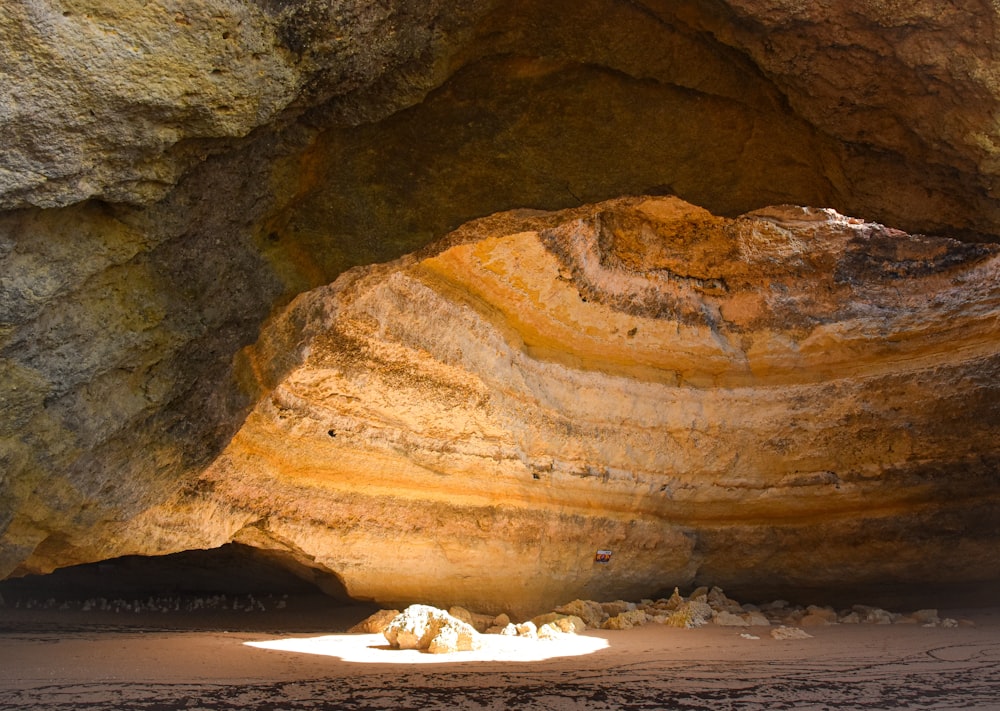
<point x="173" y="174"/>
<point x="791" y="397"/>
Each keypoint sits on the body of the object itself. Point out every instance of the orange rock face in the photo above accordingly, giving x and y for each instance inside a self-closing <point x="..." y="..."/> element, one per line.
<point x="790" y="397"/>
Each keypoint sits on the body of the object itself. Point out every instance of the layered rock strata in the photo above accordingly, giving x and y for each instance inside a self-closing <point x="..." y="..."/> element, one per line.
<point x="217" y="158"/>
<point x="792" y="396"/>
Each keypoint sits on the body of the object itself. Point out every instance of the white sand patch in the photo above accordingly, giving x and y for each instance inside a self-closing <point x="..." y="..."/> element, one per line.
<point x="373" y="649"/>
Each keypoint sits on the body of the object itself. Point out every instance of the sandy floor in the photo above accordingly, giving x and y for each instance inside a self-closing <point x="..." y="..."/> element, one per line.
<point x="79" y="662"/>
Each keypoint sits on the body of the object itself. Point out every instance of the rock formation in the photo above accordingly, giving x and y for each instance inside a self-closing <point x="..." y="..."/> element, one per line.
<point x="115" y="100"/>
<point x="785" y="396"/>
<point x="875" y="108"/>
<point x="173" y="174"/>
<point x="426" y="628"/>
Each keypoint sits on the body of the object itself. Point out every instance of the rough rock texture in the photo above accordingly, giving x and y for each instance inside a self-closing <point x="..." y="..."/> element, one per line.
<point x="429" y="629"/>
<point x="870" y="55"/>
<point x="117" y="99"/>
<point x="473" y="423"/>
<point x="567" y="624"/>
<point x="625" y="620"/>
<point x="783" y="633"/>
<point x="231" y="154"/>
<point x="479" y="622"/>
<point x="376" y="623"/>
<point x="689" y="614"/>
<point x="875" y="108"/>
<point x="730" y="619"/>
<point x="587" y="610"/>
<point x="725" y="612"/>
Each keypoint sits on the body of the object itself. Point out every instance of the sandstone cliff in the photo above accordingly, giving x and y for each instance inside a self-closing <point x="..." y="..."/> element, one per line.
<point x="174" y="173"/>
<point x="791" y="396"/>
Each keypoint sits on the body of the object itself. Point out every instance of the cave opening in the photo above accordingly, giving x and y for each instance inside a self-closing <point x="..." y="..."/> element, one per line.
<point x="531" y="114"/>
<point x="234" y="586"/>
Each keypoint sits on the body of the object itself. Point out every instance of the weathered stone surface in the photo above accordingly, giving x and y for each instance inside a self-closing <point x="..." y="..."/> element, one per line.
<point x="591" y="612"/>
<point x="921" y="76"/>
<point x="375" y="623"/>
<point x="665" y="101"/>
<point x="550" y="632"/>
<point x="694" y="612"/>
<point x="625" y="620"/>
<point x="686" y="615"/>
<point x="559" y="622"/>
<point x="729" y="619"/>
<point x="617" y="607"/>
<point x="813" y="620"/>
<point x="720" y="602"/>
<point x="472" y="423"/>
<point x="427" y="628"/>
<point x="699" y="594"/>
<point x="673" y="602"/>
<point x="116" y="99"/>
<point x="118" y="326"/>
<point x="116" y="378"/>
<point x="873" y="615"/>
<point x="783" y="633"/>
<point x="756" y="619"/>
<point x="569" y="624"/>
<point x="825" y="613"/>
<point x="478" y="621"/>
<point x="525" y="629"/>
<point x="926" y="616"/>
<point x="452" y="638"/>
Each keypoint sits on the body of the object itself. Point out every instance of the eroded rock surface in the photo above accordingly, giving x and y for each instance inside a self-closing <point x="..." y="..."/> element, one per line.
<point x="116" y="100"/>
<point x="231" y="154"/>
<point x="874" y="108"/>
<point x="792" y="396"/>
<point x="429" y="629"/>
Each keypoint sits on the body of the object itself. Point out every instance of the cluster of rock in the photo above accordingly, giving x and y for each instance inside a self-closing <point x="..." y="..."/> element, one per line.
<point x="712" y="606"/>
<point x="430" y="629"/>
<point x="159" y="603"/>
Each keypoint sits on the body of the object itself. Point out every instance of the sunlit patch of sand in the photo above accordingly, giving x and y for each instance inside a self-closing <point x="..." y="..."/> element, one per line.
<point x="373" y="649"/>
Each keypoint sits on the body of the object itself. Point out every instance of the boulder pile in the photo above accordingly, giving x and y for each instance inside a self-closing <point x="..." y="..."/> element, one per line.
<point x="430" y="629"/>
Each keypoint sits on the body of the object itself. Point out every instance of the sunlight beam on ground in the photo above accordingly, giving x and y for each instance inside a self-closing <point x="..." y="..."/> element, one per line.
<point x="373" y="649"/>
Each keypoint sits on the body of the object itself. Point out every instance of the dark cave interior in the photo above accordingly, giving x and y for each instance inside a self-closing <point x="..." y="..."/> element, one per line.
<point x="237" y="577"/>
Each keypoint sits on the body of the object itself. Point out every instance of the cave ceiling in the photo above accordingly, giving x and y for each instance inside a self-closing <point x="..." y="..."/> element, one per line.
<point x="173" y="174"/>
